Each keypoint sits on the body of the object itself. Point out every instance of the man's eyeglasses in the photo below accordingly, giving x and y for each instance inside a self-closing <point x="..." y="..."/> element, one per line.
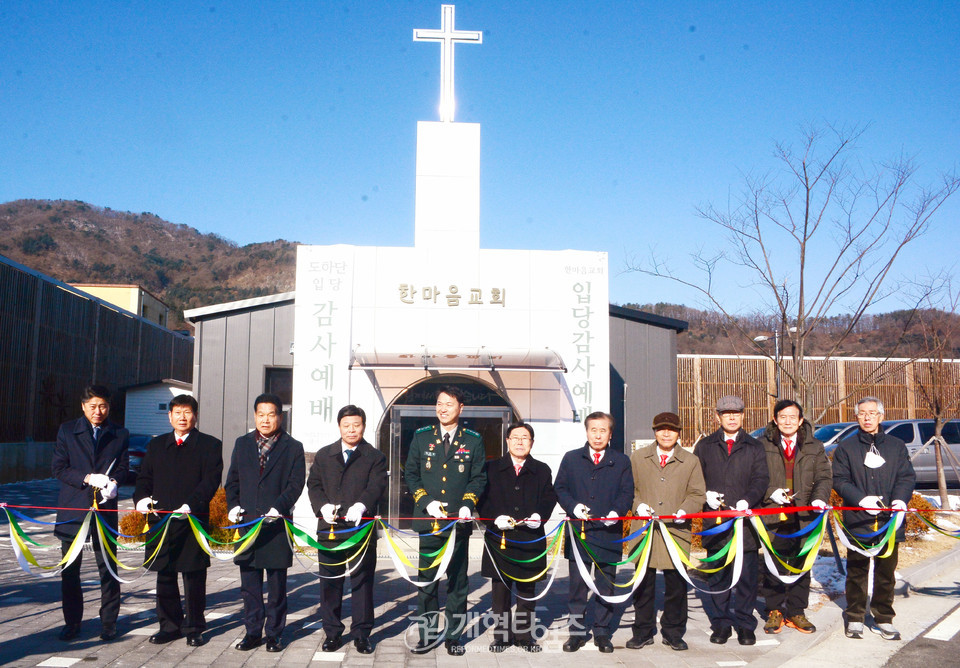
<point x="869" y="414"/>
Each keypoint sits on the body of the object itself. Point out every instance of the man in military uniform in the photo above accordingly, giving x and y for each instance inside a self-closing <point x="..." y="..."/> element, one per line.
<point x="445" y="473"/>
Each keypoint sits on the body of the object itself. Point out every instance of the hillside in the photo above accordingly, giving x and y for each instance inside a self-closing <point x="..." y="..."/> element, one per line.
<point x="78" y="242"/>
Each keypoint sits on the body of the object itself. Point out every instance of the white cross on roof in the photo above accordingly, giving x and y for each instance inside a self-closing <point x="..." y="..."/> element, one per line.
<point x="447" y="37"/>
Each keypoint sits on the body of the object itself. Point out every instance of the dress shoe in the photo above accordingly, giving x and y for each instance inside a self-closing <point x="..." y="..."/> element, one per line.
<point x="332" y="643"/>
<point x="196" y="640"/>
<point x="720" y="636"/>
<point x="498" y="646"/>
<point x="679" y="644"/>
<point x="424" y="647"/>
<point x="636" y="642"/>
<point x="746" y="637"/>
<point x="163" y="637"/>
<point x="363" y="645"/>
<point x="248" y="643"/>
<point x="574" y="643"/>
<point x="603" y="644"/>
<point x="69" y="632"/>
<point x="108" y="633"/>
<point x="454" y="648"/>
<point x="529" y="646"/>
<point x="274" y="644"/>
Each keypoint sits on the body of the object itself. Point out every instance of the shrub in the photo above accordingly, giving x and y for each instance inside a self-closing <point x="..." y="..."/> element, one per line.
<point x="914" y="525"/>
<point x="131" y="524"/>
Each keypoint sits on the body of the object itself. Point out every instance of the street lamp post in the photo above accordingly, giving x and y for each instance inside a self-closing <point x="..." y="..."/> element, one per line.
<point x="776" y="352"/>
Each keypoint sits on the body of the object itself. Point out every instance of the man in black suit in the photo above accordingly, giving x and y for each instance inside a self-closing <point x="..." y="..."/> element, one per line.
<point x="266" y="477"/>
<point x="347" y="479"/>
<point x="90" y="455"/>
<point x="180" y="473"/>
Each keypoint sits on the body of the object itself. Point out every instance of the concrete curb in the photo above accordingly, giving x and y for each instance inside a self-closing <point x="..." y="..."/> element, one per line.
<point x="920" y="573"/>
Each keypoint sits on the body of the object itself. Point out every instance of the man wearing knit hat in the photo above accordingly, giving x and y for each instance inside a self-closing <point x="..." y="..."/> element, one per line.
<point x="667" y="480"/>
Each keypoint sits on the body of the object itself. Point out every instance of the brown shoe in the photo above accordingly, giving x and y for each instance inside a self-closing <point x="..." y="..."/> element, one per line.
<point x="774" y="622"/>
<point x="800" y="623"/>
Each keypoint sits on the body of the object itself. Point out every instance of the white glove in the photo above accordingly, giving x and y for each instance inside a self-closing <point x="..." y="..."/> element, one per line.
<point x="714" y="499"/>
<point x="581" y="512"/>
<point x="503" y="522"/>
<point x="780" y="496"/>
<point x="818" y="504"/>
<point x="143" y="505"/>
<point x="610" y="523"/>
<point x="272" y="514"/>
<point x="435" y="509"/>
<point x="871" y="503"/>
<point x="534" y="521"/>
<point x="465" y="514"/>
<point x="897" y="504"/>
<point x="234" y="515"/>
<point x="742" y="505"/>
<point x="328" y="512"/>
<point x="644" y="510"/>
<point x="184" y="509"/>
<point x="355" y="513"/>
<point x="679" y="515"/>
<point x="98" y="480"/>
<point x="110" y="491"/>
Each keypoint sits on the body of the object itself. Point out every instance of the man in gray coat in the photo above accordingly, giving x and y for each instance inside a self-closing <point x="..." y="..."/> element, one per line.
<point x="267" y="473"/>
<point x="667" y="480"/>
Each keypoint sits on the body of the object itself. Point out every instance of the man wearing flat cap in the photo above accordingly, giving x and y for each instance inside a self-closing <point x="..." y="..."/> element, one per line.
<point x="735" y="472"/>
<point x="667" y="480"/>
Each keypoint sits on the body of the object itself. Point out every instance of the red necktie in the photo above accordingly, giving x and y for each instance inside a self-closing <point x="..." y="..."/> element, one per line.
<point x="730" y="443"/>
<point x="518" y="467"/>
<point x="663" y="460"/>
<point x="596" y="458"/>
<point x="179" y="442"/>
<point x="788" y="448"/>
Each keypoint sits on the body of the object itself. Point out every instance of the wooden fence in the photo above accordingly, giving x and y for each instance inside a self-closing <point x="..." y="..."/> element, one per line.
<point x="702" y="379"/>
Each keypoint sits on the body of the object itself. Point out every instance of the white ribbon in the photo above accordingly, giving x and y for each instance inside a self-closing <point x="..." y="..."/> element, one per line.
<point x="873" y="551"/>
<point x="553" y="574"/>
<point x="441" y="569"/>
<point x="585" y="572"/>
<point x="737" y="557"/>
<point x="72" y="553"/>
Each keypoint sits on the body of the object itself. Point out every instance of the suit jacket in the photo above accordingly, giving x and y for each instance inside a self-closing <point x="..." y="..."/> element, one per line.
<point x="279" y="487"/>
<point x="742" y="474"/>
<point x="602" y="488"/>
<point x="812" y="475"/>
<point x="676" y="486"/>
<point x="457" y="479"/>
<point x="363" y="480"/>
<point x="519" y="497"/>
<point x="74" y="456"/>
<point x="175" y="475"/>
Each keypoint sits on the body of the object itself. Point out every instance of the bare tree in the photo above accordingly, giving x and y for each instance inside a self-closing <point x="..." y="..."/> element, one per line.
<point x="938" y="380"/>
<point x="821" y="204"/>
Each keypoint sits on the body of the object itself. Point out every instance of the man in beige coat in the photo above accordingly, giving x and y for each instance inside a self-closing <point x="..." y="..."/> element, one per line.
<point x="667" y="481"/>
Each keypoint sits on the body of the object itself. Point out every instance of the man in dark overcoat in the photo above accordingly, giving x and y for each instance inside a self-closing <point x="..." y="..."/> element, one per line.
<point x="594" y="486"/>
<point x="445" y="473"/>
<point x="266" y="477"/>
<point x="667" y="480"/>
<point x="872" y="470"/>
<point x="800" y="475"/>
<point x="180" y="473"/>
<point x="518" y="499"/>
<point x="348" y="479"/>
<point x="735" y="472"/>
<point x="89" y="457"/>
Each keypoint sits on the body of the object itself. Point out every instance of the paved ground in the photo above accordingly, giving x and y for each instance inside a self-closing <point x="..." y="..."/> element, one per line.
<point x="31" y="619"/>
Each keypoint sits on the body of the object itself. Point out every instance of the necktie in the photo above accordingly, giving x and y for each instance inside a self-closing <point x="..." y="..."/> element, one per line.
<point x="179" y="442"/>
<point x="96" y="434"/>
<point x="347" y="455"/>
<point x="663" y="460"/>
<point x="596" y="458"/>
<point x="517" y="467"/>
<point x="730" y="443"/>
<point x="446" y="444"/>
<point x="788" y="448"/>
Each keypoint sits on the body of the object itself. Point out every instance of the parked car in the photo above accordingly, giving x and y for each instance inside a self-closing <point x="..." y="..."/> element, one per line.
<point x="831" y="434"/>
<point x="914" y="433"/>
<point x="137" y="448"/>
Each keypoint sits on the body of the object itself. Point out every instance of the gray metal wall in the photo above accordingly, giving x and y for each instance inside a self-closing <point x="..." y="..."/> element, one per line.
<point x="55" y="340"/>
<point x="232" y="354"/>
<point x="644" y="357"/>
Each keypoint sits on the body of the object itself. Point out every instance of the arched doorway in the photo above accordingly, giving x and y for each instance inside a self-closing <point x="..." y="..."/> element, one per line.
<point x="485" y="411"/>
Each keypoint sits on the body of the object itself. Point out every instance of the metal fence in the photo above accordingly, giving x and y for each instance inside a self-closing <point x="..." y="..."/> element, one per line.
<point x="55" y="339"/>
<point x="899" y="383"/>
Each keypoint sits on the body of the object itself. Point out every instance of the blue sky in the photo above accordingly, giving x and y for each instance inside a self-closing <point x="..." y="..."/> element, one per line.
<point x="604" y="124"/>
